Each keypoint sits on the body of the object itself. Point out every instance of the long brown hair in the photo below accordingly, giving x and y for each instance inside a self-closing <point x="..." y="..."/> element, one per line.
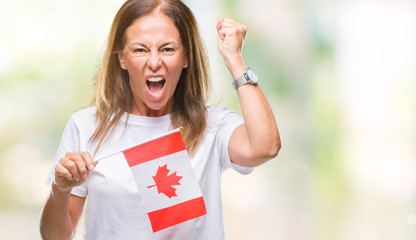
<point x="113" y="93"/>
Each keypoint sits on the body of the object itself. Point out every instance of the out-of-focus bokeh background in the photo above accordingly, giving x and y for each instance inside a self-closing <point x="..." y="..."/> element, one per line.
<point x="340" y="76"/>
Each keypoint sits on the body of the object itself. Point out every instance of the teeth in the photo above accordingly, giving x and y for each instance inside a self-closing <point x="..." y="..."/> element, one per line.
<point x="155" y="79"/>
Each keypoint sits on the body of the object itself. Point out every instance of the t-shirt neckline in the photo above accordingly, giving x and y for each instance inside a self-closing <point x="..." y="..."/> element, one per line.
<point x="145" y="120"/>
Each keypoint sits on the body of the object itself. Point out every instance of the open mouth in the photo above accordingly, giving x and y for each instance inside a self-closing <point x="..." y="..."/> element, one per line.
<point x="155" y="85"/>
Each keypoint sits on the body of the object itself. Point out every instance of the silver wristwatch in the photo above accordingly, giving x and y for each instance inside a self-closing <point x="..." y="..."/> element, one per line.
<point x="248" y="77"/>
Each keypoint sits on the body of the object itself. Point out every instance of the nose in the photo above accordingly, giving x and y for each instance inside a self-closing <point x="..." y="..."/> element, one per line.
<point x="154" y="61"/>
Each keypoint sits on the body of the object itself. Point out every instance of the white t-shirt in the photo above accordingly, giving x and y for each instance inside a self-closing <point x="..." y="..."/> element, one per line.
<point x="113" y="207"/>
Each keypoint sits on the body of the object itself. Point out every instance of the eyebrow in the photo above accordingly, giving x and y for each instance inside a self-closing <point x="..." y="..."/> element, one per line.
<point x="163" y="45"/>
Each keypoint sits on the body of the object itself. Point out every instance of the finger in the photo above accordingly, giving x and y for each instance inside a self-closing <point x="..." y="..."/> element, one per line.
<point x="229" y="23"/>
<point x="219" y="23"/>
<point x="237" y="26"/>
<point x="80" y="164"/>
<point x="226" y="22"/>
<point x="72" y="167"/>
<point x="61" y="171"/>
<point x="230" y="20"/>
<point x="223" y="33"/>
<point x="88" y="160"/>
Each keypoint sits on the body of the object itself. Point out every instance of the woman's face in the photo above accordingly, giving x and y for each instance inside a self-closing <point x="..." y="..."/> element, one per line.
<point x="154" y="57"/>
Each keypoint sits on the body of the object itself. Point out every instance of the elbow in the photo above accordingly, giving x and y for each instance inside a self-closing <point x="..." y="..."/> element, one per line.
<point x="266" y="153"/>
<point x="274" y="150"/>
<point x="271" y="152"/>
<point x="254" y="155"/>
<point x="271" y="146"/>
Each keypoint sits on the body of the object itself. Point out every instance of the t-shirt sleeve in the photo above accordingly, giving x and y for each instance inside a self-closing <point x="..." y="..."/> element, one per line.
<point x="228" y="121"/>
<point x="70" y="142"/>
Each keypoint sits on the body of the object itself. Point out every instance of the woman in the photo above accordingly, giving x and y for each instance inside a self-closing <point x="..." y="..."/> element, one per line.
<point x="154" y="78"/>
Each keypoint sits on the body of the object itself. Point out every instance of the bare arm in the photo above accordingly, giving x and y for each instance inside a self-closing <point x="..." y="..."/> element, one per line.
<point x="258" y="139"/>
<point x="60" y="215"/>
<point x="62" y="210"/>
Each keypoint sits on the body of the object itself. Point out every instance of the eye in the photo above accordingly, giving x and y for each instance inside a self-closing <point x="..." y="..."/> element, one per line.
<point x="168" y="50"/>
<point x="139" y="50"/>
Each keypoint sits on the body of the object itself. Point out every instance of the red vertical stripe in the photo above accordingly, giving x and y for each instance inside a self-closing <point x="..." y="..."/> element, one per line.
<point x="170" y="216"/>
<point x="154" y="149"/>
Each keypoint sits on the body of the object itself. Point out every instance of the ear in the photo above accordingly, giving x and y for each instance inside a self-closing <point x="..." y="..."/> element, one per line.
<point x="186" y="63"/>
<point x="121" y="59"/>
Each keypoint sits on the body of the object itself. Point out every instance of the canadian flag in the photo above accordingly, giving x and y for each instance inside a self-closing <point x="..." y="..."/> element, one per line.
<point x="166" y="181"/>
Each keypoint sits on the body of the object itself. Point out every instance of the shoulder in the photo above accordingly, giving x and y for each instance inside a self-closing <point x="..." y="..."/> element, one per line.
<point x="84" y="118"/>
<point x="219" y="111"/>
<point x="84" y="114"/>
<point x="219" y="115"/>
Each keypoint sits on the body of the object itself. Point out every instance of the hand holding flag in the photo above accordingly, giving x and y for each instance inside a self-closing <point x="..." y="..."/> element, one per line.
<point x="72" y="170"/>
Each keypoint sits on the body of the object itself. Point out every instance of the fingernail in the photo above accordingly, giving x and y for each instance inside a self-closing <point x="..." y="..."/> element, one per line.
<point x="84" y="176"/>
<point x="91" y="167"/>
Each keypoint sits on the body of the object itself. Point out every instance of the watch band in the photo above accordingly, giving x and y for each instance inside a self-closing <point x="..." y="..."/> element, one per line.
<point x="249" y="76"/>
<point x="240" y="81"/>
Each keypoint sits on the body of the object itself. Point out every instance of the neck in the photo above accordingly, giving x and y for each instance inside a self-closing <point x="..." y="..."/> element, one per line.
<point x="143" y="110"/>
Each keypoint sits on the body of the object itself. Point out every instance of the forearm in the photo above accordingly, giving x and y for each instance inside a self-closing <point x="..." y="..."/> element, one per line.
<point x="55" y="222"/>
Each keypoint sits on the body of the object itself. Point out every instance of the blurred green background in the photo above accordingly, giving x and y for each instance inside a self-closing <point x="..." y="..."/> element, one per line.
<point x="340" y="76"/>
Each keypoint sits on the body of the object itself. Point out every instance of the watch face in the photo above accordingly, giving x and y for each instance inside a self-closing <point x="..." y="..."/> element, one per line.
<point x="252" y="76"/>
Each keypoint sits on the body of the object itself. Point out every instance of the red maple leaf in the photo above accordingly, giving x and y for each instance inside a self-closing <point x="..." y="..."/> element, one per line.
<point x="164" y="182"/>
